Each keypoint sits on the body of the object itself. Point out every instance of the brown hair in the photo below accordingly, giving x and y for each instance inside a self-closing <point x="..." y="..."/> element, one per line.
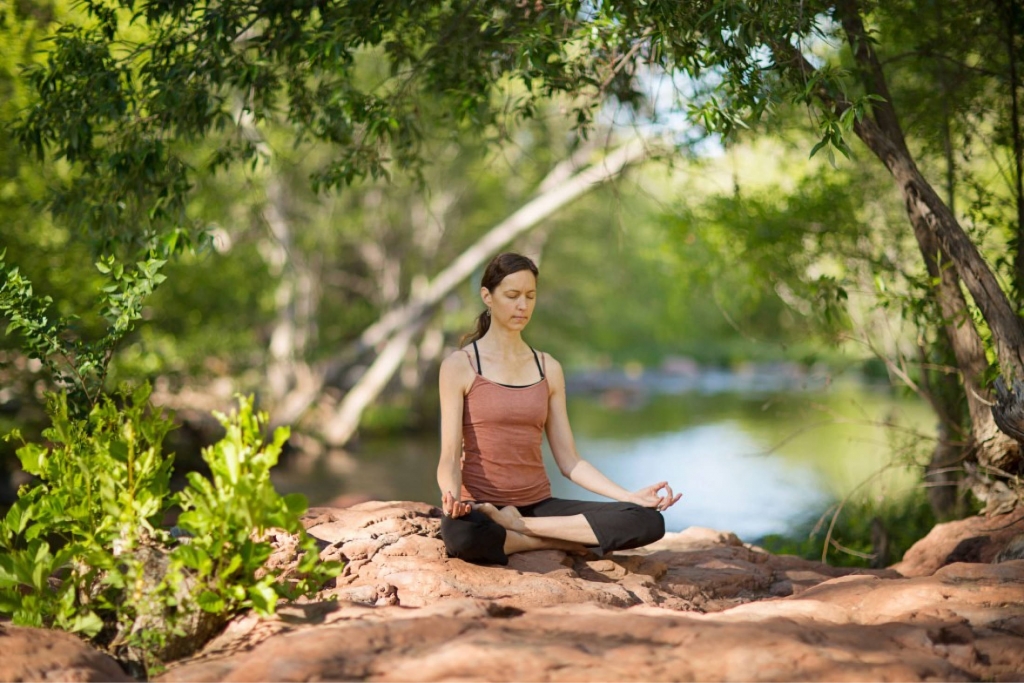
<point x="497" y="270"/>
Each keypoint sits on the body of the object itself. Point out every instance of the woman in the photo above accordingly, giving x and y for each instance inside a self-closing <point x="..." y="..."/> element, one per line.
<point x="498" y="397"/>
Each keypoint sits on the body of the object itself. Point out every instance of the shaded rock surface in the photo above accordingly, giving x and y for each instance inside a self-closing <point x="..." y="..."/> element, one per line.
<point x="698" y="605"/>
<point x="35" y="654"/>
<point x="975" y="539"/>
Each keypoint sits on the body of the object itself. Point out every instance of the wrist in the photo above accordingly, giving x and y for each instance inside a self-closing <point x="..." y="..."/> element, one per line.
<point x="631" y="498"/>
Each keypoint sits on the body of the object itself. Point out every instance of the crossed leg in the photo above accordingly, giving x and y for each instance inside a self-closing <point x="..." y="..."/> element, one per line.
<point x="488" y="535"/>
<point x="571" y="533"/>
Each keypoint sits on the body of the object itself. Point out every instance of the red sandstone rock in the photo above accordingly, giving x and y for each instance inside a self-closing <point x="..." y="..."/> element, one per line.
<point x="975" y="539"/>
<point x="35" y="654"/>
<point x="850" y="628"/>
<point x="698" y="605"/>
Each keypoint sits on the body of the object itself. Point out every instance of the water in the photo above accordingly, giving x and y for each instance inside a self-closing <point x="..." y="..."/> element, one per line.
<point x="754" y="460"/>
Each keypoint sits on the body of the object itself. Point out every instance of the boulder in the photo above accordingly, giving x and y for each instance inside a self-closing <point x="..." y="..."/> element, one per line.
<point x="975" y="539"/>
<point x="35" y="654"/>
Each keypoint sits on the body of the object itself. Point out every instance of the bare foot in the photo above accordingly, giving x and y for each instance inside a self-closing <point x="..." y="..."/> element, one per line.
<point x="507" y="516"/>
<point x="516" y="543"/>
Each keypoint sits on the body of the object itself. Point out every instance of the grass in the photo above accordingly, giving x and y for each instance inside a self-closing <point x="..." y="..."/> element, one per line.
<point x="859" y="526"/>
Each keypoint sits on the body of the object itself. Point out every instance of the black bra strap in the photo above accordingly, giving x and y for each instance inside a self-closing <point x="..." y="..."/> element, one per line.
<point x="480" y="370"/>
<point x="537" y="361"/>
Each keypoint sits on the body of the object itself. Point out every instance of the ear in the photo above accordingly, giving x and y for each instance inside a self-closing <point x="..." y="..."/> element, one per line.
<point x="485" y="294"/>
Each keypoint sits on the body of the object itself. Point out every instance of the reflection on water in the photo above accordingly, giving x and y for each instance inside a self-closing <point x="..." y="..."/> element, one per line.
<point x="723" y="484"/>
<point x="752" y="462"/>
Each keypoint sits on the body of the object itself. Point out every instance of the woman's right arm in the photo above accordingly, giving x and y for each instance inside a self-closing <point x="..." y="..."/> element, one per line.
<point x="452" y="385"/>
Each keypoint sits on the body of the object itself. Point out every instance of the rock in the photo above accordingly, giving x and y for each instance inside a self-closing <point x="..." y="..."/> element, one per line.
<point x="698" y="569"/>
<point x="1014" y="550"/>
<point x="849" y="628"/>
<point x="697" y="605"/>
<point x="975" y="539"/>
<point x="35" y="654"/>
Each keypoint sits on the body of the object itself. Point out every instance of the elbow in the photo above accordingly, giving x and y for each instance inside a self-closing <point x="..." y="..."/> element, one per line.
<point x="567" y="470"/>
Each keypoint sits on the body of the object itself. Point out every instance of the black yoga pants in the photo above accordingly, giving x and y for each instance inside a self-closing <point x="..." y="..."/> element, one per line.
<point x="618" y="526"/>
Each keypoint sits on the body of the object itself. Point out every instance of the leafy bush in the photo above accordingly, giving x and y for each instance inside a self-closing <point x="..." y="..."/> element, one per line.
<point x="84" y="549"/>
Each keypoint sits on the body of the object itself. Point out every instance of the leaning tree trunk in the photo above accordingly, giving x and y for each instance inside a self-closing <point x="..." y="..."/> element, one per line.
<point x="938" y="233"/>
<point x="401" y="326"/>
<point x="412" y="312"/>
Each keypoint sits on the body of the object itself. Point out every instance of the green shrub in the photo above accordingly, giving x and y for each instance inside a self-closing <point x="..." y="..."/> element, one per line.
<point x="84" y="549"/>
<point x="859" y="526"/>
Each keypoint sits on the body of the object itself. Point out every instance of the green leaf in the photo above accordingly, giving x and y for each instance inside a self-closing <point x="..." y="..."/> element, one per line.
<point x="264" y="598"/>
<point x="88" y="624"/>
<point x="211" y="602"/>
<point x="32" y="457"/>
<point x="194" y="557"/>
<point x="296" y="503"/>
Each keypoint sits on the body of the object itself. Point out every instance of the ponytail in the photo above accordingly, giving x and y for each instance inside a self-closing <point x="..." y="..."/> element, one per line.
<point x="483" y="323"/>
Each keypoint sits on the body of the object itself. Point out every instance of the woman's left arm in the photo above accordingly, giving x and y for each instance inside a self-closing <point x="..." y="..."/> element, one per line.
<point x="578" y="470"/>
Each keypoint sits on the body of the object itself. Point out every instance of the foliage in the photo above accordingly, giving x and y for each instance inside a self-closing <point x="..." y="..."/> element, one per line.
<point x="229" y="519"/>
<point x="78" y="364"/>
<point x="84" y="550"/>
<point x="859" y="526"/>
<point x="126" y="89"/>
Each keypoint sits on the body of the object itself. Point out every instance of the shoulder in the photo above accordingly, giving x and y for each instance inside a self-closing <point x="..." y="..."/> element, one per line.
<point x="552" y="369"/>
<point x="456" y="369"/>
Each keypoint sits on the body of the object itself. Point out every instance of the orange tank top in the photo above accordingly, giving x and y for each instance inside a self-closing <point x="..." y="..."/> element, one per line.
<point x="502" y="429"/>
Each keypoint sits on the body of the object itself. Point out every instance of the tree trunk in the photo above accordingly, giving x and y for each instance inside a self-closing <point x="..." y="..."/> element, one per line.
<point x="883" y="135"/>
<point x="522" y="220"/>
<point x="342" y="425"/>
<point x="939" y="237"/>
<point x="295" y="298"/>
<point x="411" y="314"/>
<point x="1012" y="18"/>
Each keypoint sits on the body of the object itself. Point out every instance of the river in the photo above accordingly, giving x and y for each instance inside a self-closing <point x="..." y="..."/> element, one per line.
<point x="752" y="452"/>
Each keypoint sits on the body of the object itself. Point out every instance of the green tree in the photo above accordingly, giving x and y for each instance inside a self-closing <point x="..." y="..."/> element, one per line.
<point x="119" y="97"/>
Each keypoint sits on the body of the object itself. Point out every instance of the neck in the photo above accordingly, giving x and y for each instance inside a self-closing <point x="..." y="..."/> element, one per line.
<point x="503" y="340"/>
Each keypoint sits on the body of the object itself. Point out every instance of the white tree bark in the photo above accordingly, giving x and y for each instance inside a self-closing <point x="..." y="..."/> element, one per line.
<point x="296" y="297"/>
<point x="541" y="207"/>
<point x="344" y="422"/>
<point x="399" y="327"/>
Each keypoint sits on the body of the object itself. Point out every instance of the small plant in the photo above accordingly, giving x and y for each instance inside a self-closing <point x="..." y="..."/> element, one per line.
<point x="229" y="519"/>
<point x="84" y="549"/>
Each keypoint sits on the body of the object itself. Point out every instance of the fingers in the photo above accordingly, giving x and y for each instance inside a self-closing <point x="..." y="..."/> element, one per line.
<point x="453" y="507"/>
<point x="669" y="499"/>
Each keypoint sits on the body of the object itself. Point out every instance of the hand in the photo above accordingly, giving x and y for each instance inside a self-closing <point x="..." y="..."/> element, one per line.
<point x="649" y="498"/>
<point x="453" y="507"/>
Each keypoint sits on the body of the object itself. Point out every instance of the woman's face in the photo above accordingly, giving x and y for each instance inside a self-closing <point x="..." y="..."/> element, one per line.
<point x="512" y="301"/>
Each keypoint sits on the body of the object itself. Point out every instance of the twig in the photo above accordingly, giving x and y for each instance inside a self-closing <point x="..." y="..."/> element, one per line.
<point x="851" y="551"/>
